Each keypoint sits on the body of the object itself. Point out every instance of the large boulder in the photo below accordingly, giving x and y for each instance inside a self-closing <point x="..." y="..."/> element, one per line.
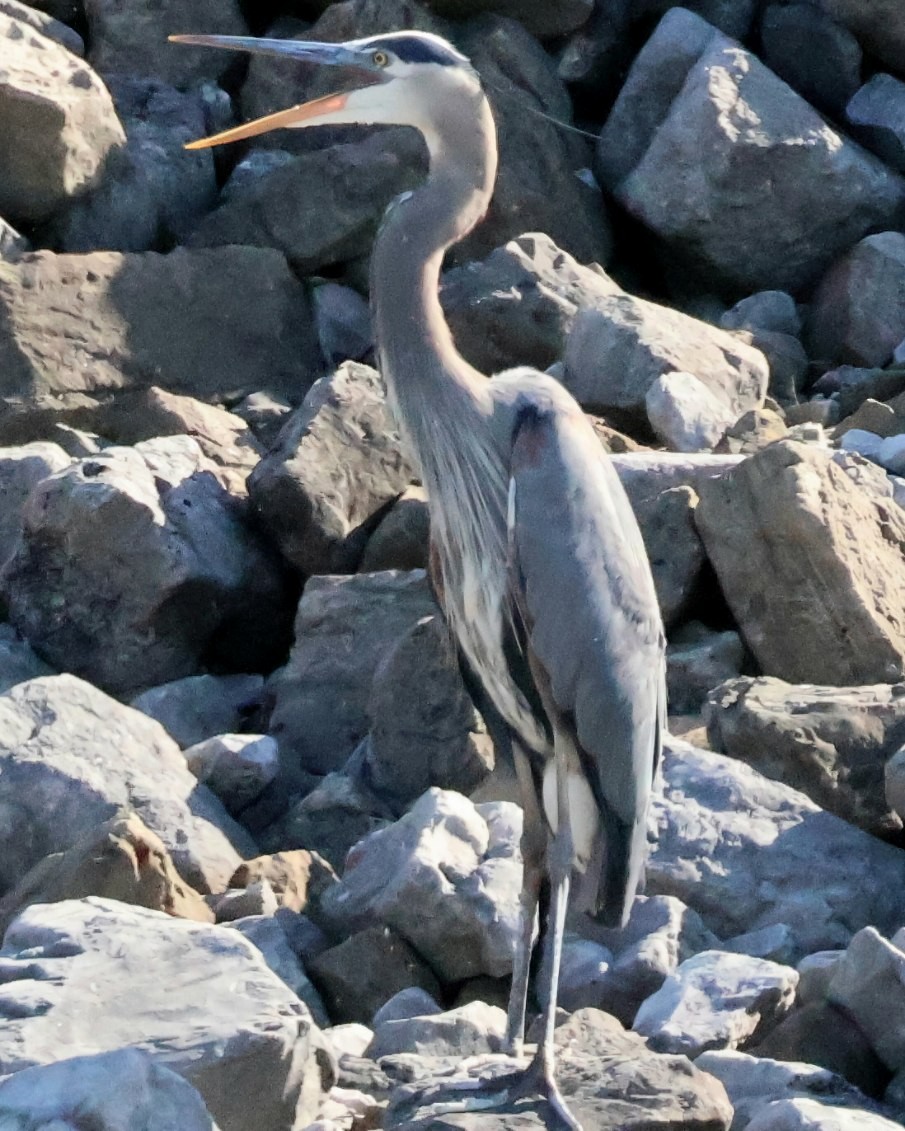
<point x="58" y="126"/>
<point x="256" y="1057"/>
<point x="878" y="24"/>
<point x="700" y="127"/>
<point x="64" y="771"/>
<point x="20" y="470"/>
<point x="876" y="115"/>
<point x="811" y="565"/>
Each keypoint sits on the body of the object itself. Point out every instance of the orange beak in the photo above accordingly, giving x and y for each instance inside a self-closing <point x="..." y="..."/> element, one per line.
<point x="282" y="118"/>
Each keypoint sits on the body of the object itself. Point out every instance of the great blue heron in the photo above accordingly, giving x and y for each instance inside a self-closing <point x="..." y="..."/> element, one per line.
<point x="536" y="554"/>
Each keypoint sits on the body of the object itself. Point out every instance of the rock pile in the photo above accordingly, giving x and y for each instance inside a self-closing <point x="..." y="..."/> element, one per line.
<point x="258" y="867"/>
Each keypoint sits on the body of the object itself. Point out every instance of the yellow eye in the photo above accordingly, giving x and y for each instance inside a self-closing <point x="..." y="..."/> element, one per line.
<point x="380" y="58"/>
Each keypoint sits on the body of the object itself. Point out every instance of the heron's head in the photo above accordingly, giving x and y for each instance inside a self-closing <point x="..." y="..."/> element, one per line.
<point x="409" y="79"/>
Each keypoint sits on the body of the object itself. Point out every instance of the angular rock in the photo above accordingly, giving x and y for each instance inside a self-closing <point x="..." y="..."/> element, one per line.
<point x="879" y="26"/>
<point x="236" y="767"/>
<point x="616" y="351"/>
<point x="699" y="127"/>
<point x="339" y="461"/>
<point x="343" y="320"/>
<point x="759" y="853"/>
<point x="181" y="321"/>
<point x="41" y="22"/>
<point x="424" y="731"/>
<point x="868" y="982"/>
<point x="813" y="53"/>
<point x="64" y="772"/>
<point x="815" y="972"/>
<point x="199" y="707"/>
<point x="120" y="859"/>
<point x="875" y="114"/>
<point x="126" y="39"/>
<point x="716" y="1000"/>
<point x="363" y="973"/>
<point x="446" y="877"/>
<point x="515" y="307"/>
<point x="684" y="413"/>
<point x="255" y="901"/>
<point x="256" y="1057"/>
<point x="698" y="660"/>
<point x="125" y="579"/>
<point x="582" y="974"/>
<point x="344" y="627"/>
<point x="18" y="661"/>
<point x="851" y="386"/>
<point x="791" y="537"/>
<point x="12" y="245"/>
<point x="296" y="878"/>
<point x="811" y="1115"/>
<point x="467" y="1031"/>
<point x="266" y="933"/>
<point x="20" y="470"/>
<point x="58" y="125"/>
<point x="401" y="539"/>
<point x="856" y="316"/>
<point x="413" y="1002"/>
<point x="774" y="311"/>
<point x="543" y="20"/>
<point x="108" y="1091"/>
<point x="831" y="743"/>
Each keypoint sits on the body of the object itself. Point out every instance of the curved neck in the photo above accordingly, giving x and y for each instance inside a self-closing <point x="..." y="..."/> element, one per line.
<point x="427" y="379"/>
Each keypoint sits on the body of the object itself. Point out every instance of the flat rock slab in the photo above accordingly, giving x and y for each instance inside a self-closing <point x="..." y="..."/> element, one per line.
<point x="811" y="1115"/>
<point x="811" y="565"/>
<point x="746" y="852"/>
<point x="181" y="321"/>
<point x="71" y="756"/>
<point x="96" y="975"/>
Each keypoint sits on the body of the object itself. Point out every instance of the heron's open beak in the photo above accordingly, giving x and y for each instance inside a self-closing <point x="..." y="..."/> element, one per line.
<point x="326" y="108"/>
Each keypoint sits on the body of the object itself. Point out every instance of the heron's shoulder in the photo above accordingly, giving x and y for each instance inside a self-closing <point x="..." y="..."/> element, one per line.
<point x="528" y="390"/>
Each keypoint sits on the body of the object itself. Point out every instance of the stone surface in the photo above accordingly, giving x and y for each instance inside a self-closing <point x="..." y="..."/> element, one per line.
<point x="111" y="1090"/>
<point x="684" y="413"/>
<point x="338" y="463"/>
<point x="698" y="660"/>
<point x="875" y="115"/>
<point x="18" y="661"/>
<point x="616" y="351"/>
<point x="413" y="1002"/>
<point x="700" y="123"/>
<point x="791" y="536"/>
<point x="64" y="773"/>
<point x="467" y="1031"/>
<point x="297" y="878"/>
<point x="199" y="707"/>
<point x="879" y="26"/>
<point x="446" y="877"/>
<point x="774" y="311"/>
<point x="813" y="53"/>
<point x="831" y="743"/>
<point x="45" y="24"/>
<point x="266" y="933"/>
<point x="181" y="321"/>
<point x="254" y="1057"/>
<point x="119" y="859"/>
<point x="236" y="767"/>
<point x="716" y="1000"/>
<point x="20" y="470"/>
<point x="57" y="123"/>
<point x="811" y="1115"/>
<point x="400" y="540"/>
<point x="868" y="982"/>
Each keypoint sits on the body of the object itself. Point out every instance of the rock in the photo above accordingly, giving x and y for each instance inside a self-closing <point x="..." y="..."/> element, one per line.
<point x="699" y="127"/>
<point x="775" y="943"/>
<point x="361" y="974"/>
<point x="20" y="469"/>
<point x="64" y="772"/>
<point x="66" y="964"/>
<point x="344" y="627"/>
<point x="45" y="24"/>
<point x="254" y="901"/>
<point x="236" y="767"/>
<point x="467" y="1031"/>
<point x="831" y="743"/>
<point x="773" y="311"/>
<point x="856" y="313"/>
<point x="56" y="102"/>
<point x="853" y="386"/>
<point x="752" y="1083"/>
<point x="265" y="415"/>
<point x="127" y="40"/>
<point x="816" y="56"/>
<point x="338" y="462"/>
<point x="153" y="191"/>
<point x="181" y="321"/>
<point x="352" y="1039"/>
<point x="607" y="1077"/>
<point x="815" y="972"/>
<point x="871" y="416"/>
<point x="12" y="245"/>
<point x="616" y="351"/>
<point x="320" y="209"/>
<point x="582" y="974"/>
<point x="811" y="1115"/>
<point x="716" y="1000"/>
<point x="446" y="877"/>
<point x="539" y="18"/>
<point x="200" y="707"/>
<point x="400" y="541"/>
<point x="125" y="579"/>
<point x="684" y="413"/>
<point x="868" y="982"/>
<point x="411" y="1002"/>
<point x="266" y="933"/>
<point x="789" y="365"/>
<point x="759" y="853"/>
<point x="297" y="878"/>
<point x="875" y="114"/>
<point x="646" y="474"/>
<point x="879" y="27"/>
<point x="124" y="1088"/>
<point x="343" y="321"/>
<point x="18" y="662"/>
<point x="119" y="859"/>
<point x="894" y="782"/>
<point x="515" y="307"/>
<point x="891" y="454"/>
<point x="789" y="536"/>
<point x="698" y="660"/>
<point x="424" y="731"/>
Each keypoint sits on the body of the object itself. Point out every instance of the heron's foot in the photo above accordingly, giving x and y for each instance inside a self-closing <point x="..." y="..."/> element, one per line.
<point x="531" y="1083"/>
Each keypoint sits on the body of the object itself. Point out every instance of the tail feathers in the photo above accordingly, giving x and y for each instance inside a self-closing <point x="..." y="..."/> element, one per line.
<point x="623" y="855"/>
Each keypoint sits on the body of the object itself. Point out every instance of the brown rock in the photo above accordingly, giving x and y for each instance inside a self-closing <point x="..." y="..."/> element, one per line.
<point x="811" y="566"/>
<point x="401" y="539"/>
<point x="296" y="876"/>
<point x="120" y="859"/>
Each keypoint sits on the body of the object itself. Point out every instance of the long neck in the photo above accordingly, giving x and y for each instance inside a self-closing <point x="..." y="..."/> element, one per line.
<point x="429" y="383"/>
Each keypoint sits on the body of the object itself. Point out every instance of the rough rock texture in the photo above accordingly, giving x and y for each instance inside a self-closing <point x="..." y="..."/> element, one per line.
<point x="338" y="463"/>
<point x="698" y="101"/>
<point x="469" y="1030"/>
<point x="18" y="661"/>
<point x="199" y="707"/>
<point x="811" y="566"/>
<point x="57" y="124"/>
<point x="461" y="916"/>
<point x="813" y="53"/>
<point x="879" y="25"/>
<point x="868" y="983"/>
<point x="875" y="114"/>
<point x="831" y="743"/>
<point x="811" y="1115"/>
<point x="256" y="1057"/>
<point x="20" y="470"/>
<point x="684" y="413"/>
<point x="698" y="660"/>
<point x="181" y="321"/>
<point x="236" y="767"/>
<point x="64" y="773"/>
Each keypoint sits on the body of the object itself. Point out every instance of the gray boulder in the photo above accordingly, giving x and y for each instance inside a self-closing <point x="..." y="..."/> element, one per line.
<point x="236" y="767"/>
<point x="467" y="1031"/>
<point x="868" y="983"/>
<point x="699" y="127"/>
<point x="256" y="1057"/>
<point x="18" y="660"/>
<point x="45" y="24"/>
<point x="773" y="311"/>
<point x="20" y="470"/>
<point x="685" y="414"/>
<point x="876" y="115"/>
<point x="12" y="245"/>
<point x="814" y="54"/>
<point x="698" y="660"/>
<point x="879" y="26"/>
<point x="812" y="1115"/>
<point x="199" y="707"/>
